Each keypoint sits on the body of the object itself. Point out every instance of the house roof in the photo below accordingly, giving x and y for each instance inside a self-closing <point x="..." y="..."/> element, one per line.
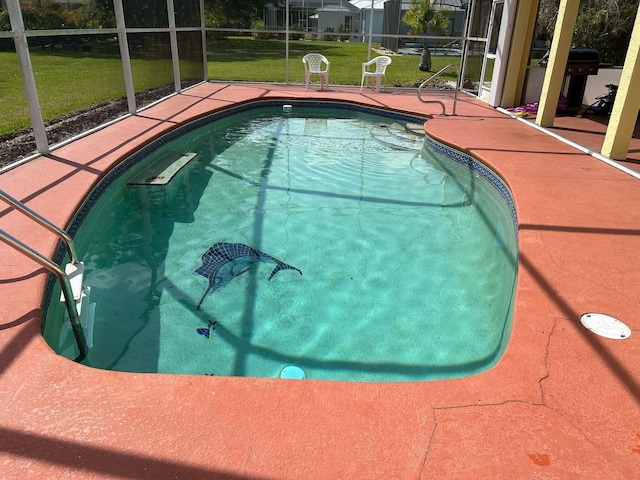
<point x="366" y="4"/>
<point x="379" y="4"/>
<point x="320" y="4"/>
<point x="344" y="7"/>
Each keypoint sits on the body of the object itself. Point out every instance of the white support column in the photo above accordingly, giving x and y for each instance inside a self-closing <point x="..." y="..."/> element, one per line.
<point x="286" y="43"/>
<point x="203" y="30"/>
<point x="370" y="32"/>
<point x="502" y="53"/>
<point x="124" y="56"/>
<point x="28" y="81"/>
<point x="518" y="57"/>
<point x="173" y="38"/>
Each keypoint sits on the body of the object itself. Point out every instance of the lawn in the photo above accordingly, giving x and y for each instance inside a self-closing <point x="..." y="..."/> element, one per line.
<point x="264" y="60"/>
<point x="68" y="81"/>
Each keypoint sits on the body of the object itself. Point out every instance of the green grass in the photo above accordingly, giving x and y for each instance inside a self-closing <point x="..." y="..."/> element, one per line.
<point x="243" y="58"/>
<point x="68" y="81"/>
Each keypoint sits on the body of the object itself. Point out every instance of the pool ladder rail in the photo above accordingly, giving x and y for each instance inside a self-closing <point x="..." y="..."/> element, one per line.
<point x="73" y="295"/>
<point x="435" y="75"/>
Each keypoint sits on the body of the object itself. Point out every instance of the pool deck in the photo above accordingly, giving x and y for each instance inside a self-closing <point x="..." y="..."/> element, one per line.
<point x="561" y="403"/>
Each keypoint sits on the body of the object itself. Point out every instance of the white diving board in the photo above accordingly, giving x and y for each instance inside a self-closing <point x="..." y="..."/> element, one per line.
<point x="162" y="170"/>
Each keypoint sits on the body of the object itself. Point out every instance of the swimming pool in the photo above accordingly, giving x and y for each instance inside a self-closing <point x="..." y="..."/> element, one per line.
<point x="328" y="239"/>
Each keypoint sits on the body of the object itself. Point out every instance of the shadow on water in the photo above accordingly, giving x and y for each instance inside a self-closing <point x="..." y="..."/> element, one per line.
<point x="406" y="370"/>
<point x="127" y="231"/>
<point x="388" y="201"/>
<point x="242" y="343"/>
<point x="239" y="367"/>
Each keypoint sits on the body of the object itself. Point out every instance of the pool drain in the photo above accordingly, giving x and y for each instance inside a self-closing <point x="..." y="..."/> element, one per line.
<point x="605" y="326"/>
<point x="292" y="371"/>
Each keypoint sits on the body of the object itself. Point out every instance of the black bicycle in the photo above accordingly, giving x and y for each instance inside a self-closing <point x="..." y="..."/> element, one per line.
<point x="604" y="103"/>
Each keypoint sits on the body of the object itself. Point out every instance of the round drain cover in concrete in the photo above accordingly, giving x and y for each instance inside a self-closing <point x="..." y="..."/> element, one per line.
<point x="605" y="326"/>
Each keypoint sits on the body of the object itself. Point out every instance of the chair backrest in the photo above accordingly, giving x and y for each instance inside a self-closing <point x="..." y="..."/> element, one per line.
<point x="313" y="61"/>
<point x="382" y="63"/>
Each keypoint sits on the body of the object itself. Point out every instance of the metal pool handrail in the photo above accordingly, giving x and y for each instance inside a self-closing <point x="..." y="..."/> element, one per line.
<point x="63" y="278"/>
<point x="455" y="95"/>
<point x="44" y="222"/>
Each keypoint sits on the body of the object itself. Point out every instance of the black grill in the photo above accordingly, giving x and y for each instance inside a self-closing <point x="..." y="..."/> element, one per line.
<point x="582" y="61"/>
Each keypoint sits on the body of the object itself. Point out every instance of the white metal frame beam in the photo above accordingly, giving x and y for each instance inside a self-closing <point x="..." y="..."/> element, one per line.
<point x="124" y="56"/>
<point x="20" y="36"/>
<point x="173" y="40"/>
<point x="28" y="80"/>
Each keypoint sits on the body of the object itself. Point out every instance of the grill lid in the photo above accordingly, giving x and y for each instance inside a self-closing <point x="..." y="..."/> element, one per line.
<point x="584" y="56"/>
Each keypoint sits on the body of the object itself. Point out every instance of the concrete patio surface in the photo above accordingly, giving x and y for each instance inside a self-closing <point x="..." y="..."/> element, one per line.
<point x="561" y="403"/>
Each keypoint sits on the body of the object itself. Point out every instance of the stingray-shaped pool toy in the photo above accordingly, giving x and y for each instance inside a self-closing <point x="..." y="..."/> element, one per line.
<point x="225" y="261"/>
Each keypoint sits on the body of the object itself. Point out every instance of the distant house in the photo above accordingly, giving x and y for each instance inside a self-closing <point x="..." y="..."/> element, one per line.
<point x="355" y="16"/>
<point x="365" y="17"/>
<point x="314" y="16"/>
<point x="342" y="17"/>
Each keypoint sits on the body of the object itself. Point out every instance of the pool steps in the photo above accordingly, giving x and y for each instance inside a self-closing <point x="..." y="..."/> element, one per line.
<point x="86" y="312"/>
<point x="75" y="273"/>
<point x="399" y="135"/>
<point x="81" y="297"/>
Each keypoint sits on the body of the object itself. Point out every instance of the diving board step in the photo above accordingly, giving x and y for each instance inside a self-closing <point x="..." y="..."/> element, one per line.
<point x="162" y="170"/>
<point x="75" y="272"/>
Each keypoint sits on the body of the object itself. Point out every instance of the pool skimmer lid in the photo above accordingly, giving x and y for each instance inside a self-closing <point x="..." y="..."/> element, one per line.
<point x="293" y="372"/>
<point x="605" y="326"/>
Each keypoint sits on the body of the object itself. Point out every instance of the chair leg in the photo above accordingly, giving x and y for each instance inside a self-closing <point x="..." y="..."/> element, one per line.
<point x="367" y="81"/>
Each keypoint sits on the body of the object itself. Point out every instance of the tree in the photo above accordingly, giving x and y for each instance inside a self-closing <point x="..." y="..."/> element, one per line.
<point x="233" y="13"/>
<point x="153" y="13"/>
<point x="604" y="25"/>
<point x="422" y="17"/>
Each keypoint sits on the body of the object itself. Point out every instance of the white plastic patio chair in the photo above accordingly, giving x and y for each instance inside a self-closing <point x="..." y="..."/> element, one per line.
<point x="313" y="66"/>
<point x="376" y="75"/>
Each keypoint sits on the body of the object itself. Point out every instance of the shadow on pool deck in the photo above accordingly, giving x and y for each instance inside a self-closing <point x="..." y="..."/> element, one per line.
<point x="561" y="403"/>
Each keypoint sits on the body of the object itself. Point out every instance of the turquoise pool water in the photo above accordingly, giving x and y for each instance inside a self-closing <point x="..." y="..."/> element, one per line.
<point x="407" y="257"/>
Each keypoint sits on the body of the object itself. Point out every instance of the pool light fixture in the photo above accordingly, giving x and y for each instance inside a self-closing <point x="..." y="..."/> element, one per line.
<point x="292" y="372"/>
